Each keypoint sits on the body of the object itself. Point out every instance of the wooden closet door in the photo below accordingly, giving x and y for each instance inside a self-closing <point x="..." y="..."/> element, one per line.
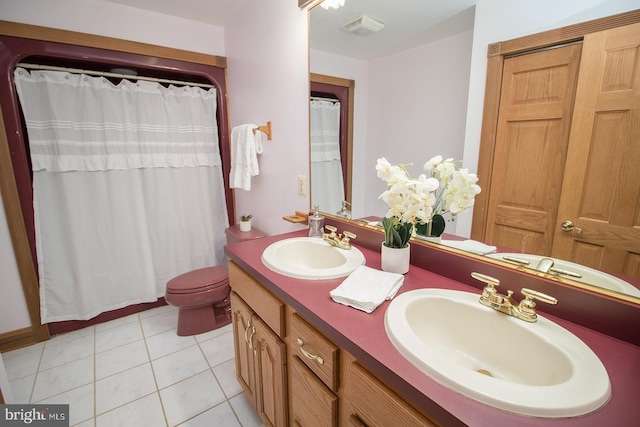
<point x="534" y="121"/>
<point x="601" y="188"/>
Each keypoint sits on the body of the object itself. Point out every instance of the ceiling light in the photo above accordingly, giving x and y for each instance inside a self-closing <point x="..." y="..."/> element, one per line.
<point x="326" y="4"/>
<point x="364" y="26"/>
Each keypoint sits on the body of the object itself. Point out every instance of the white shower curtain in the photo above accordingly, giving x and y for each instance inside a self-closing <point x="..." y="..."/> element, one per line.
<point x="326" y="167"/>
<point x="127" y="188"/>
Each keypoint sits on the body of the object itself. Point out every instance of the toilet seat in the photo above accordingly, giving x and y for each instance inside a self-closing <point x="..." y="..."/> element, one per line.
<point x="200" y="280"/>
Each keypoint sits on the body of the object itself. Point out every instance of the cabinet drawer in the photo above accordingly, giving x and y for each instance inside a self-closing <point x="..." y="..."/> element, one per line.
<point x="315" y="351"/>
<point x="371" y="403"/>
<point x="266" y="305"/>
<point x="312" y="403"/>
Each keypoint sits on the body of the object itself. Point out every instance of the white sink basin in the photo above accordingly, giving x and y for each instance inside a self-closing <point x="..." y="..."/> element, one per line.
<point x="311" y="259"/>
<point x="589" y="275"/>
<point x="537" y="369"/>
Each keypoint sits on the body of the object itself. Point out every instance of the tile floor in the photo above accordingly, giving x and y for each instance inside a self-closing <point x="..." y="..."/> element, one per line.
<point x="135" y="371"/>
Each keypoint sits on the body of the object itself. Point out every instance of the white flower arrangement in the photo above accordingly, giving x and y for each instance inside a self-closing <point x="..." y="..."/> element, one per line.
<point x="445" y="188"/>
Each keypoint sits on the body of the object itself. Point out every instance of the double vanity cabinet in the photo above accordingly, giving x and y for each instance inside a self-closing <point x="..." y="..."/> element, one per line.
<point x="294" y="375"/>
<point x="304" y="360"/>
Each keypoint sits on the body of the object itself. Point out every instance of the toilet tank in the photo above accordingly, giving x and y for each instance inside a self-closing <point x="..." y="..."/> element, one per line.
<point x="234" y="234"/>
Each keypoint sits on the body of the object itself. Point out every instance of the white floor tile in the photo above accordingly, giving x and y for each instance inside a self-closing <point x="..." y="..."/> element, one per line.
<point x="22" y="388"/>
<point x="177" y="366"/>
<point x="157" y="310"/>
<point x="146" y="411"/>
<point x="106" y="339"/>
<point x="89" y="423"/>
<point x="63" y="378"/>
<point x="22" y="364"/>
<point x="215" y="333"/>
<point x="65" y="351"/>
<point x="191" y="397"/>
<point x="226" y="375"/>
<point x="165" y="321"/>
<point x="21" y="352"/>
<point x="120" y="359"/>
<point x="219" y="349"/>
<point x="245" y="412"/>
<point x="166" y="343"/>
<point x="132" y="318"/>
<point x="221" y="415"/>
<point x="80" y="401"/>
<point x="124" y="387"/>
<point x="70" y="336"/>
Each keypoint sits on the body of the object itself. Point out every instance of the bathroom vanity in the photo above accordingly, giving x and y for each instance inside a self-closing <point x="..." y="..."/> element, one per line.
<point x="303" y="359"/>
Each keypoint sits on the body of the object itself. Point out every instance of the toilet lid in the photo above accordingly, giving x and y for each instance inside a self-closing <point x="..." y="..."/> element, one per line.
<point x="202" y="278"/>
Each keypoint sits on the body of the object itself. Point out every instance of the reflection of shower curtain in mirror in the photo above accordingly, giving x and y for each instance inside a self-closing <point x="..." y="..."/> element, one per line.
<point x="327" y="182"/>
<point x="127" y="187"/>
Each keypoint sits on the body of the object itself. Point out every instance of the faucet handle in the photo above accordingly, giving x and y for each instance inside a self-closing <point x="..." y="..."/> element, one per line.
<point x="530" y="295"/>
<point x="491" y="282"/>
<point x="332" y="229"/>
<point x="349" y="235"/>
<point x="527" y="305"/>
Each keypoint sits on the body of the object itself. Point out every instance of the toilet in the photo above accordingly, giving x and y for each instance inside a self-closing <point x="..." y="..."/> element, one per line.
<point x="202" y="295"/>
<point x="202" y="298"/>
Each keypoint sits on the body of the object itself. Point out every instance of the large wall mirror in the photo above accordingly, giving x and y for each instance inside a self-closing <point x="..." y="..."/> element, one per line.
<point x="403" y="121"/>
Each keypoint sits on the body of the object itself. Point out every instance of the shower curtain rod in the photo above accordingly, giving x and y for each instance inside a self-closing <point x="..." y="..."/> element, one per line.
<point x="108" y="74"/>
<point x="319" y="98"/>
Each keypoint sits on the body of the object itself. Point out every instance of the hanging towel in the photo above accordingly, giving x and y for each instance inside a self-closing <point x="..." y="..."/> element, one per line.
<point x="367" y="288"/>
<point x="470" y="246"/>
<point x="245" y="147"/>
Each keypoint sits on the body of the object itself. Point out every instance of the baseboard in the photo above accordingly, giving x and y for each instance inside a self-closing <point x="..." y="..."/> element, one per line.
<point x="17" y="339"/>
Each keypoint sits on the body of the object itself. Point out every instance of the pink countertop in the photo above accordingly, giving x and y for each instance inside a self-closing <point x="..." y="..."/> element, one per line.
<point x="363" y="335"/>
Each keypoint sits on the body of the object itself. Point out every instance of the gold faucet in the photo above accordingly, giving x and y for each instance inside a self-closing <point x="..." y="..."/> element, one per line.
<point x="342" y="241"/>
<point x="525" y="310"/>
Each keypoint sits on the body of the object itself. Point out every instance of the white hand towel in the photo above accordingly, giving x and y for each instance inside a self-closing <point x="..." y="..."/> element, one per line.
<point x="245" y="146"/>
<point x="470" y="246"/>
<point x="367" y="288"/>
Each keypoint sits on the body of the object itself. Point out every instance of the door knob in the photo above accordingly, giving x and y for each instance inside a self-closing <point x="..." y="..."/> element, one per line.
<point x="568" y="226"/>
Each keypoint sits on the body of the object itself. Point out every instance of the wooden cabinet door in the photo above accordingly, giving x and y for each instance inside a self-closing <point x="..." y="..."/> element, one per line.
<point x="601" y="188"/>
<point x="312" y="403"/>
<point x="534" y="122"/>
<point x="243" y="329"/>
<point x="271" y="375"/>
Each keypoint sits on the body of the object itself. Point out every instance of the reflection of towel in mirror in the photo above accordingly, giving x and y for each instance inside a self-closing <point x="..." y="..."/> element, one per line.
<point x="245" y="146"/>
<point x="366" y="288"/>
<point x="470" y="246"/>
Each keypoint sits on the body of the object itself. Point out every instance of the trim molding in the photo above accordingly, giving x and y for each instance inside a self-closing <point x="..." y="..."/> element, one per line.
<point x="16" y="339"/>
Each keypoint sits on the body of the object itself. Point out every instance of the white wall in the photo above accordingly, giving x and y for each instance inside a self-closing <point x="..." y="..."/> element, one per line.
<point x="498" y="20"/>
<point x="115" y="20"/>
<point x="358" y="71"/>
<point x="267" y="59"/>
<point x="430" y="82"/>
<point x="105" y="19"/>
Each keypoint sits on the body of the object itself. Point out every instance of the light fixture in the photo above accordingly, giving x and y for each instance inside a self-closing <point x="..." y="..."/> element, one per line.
<point x="364" y="26"/>
<point x="326" y="4"/>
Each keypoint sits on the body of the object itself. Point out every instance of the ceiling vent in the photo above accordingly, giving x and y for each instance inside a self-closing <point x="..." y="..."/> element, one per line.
<point x="364" y="26"/>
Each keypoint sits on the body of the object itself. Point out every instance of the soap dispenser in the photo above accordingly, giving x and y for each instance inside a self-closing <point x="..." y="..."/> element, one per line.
<point x="316" y="223"/>
<point x="344" y="212"/>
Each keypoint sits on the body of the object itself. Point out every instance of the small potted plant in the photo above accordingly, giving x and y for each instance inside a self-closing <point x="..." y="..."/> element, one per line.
<point x="245" y="222"/>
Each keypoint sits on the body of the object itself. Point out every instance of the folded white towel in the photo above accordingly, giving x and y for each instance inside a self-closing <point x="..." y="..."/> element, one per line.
<point x="245" y="146"/>
<point x="470" y="246"/>
<point x="367" y="288"/>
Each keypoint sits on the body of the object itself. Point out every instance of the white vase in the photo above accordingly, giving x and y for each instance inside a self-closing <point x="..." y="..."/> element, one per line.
<point x="395" y="260"/>
<point x="245" y="225"/>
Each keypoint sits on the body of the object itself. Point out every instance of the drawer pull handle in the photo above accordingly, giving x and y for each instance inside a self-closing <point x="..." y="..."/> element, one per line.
<point x="307" y="354"/>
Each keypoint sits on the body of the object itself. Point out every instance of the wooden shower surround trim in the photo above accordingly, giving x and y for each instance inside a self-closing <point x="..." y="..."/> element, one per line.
<point x="496" y="53"/>
<point x="8" y="184"/>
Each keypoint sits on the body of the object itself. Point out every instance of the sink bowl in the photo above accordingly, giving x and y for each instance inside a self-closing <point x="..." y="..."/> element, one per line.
<point x="311" y="259"/>
<point x="537" y="369"/>
<point x="589" y="275"/>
